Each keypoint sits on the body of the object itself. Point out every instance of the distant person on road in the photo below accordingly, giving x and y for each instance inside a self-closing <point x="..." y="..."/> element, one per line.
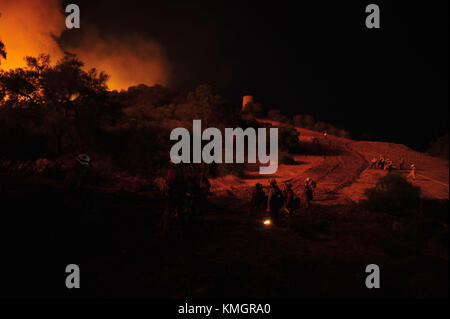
<point x="388" y="165"/>
<point x="381" y="162"/>
<point x="373" y="163"/>
<point x="412" y="173"/>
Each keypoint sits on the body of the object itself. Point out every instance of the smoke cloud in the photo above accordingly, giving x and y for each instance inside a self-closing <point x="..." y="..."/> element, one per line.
<point x="29" y="28"/>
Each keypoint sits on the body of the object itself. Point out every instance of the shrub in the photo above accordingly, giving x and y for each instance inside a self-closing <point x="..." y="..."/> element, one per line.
<point x="275" y="115"/>
<point x="392" y="194"/>
<point x="288" y="139"/>
<point x="286" y="158"/>
<point x="20" y="138"/>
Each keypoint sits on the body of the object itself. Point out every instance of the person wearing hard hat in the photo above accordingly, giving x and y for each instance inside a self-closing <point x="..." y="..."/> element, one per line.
<point x="412" y="172"/>
<point x="389" y="165"/>
<point x="373" y="163"/>
<point x="76" y="182"/>
<point x="76" y="178"/>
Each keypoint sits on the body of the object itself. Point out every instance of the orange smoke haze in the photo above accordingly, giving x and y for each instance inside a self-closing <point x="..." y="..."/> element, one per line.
<point x="26" y="28"/>
<point x="129" y="60"/>
<point x="29" y="28"/>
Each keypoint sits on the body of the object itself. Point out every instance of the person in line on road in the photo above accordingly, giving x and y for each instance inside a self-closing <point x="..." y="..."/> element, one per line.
<point x="274" y="201"/>
<point x="412" y="172"/>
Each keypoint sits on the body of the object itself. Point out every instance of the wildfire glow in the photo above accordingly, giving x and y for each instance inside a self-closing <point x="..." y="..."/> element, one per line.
<point x="267" y="222"/>
<point x="30" y="27"/>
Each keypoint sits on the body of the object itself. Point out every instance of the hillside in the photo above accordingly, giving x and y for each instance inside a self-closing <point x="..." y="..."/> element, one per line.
<point x="321" y="252"/>
<point x="342" y="172"/>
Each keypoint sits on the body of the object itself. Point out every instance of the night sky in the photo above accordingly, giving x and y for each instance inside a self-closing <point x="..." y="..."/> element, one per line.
<point x="303" y="57"/>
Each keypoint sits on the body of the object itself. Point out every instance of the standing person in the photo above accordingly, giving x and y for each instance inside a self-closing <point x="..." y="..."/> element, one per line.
<point x="175" y="194"/>
<point x="258" y="200"/>
<point x="76" y="178"/>
<point x="373" y="163"/>
<point x="389" y="166"/>
<point x="381" y="162"/>
<point x="274" y="201"/>
<point x="191" y="199"/>
<point x="308" y="191"/>
<point x="76" y="181"/>
<point x="193" y="192"/>
<point x="290" y="200"/>
<point x="412" y="173"/>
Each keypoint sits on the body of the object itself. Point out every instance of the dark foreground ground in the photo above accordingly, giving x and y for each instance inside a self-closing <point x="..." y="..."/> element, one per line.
<point x="321" y="253"/>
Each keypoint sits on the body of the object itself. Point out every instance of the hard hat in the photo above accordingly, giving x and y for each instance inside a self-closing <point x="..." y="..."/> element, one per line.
<point x="307" y="179"/>
<point x="83" y="159"/>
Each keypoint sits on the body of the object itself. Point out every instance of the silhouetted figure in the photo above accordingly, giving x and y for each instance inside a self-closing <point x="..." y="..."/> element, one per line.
<point x="258" y="201"/>
<point x="175" y="194"/>
<point x="308" y="191"/>
<point x="76" y="178"/>
<point x="76" y="182"/>
<point x="374" y="162"/>
<point x="388" y="165"/>
<point x="291" y="203"/>
<point x="192" y="199"/>
<point x="274" y="201"/>
<point x="381" y="162"/>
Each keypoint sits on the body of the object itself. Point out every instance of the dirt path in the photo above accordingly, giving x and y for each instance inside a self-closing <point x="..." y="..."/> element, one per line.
<point x="433" y="180"/>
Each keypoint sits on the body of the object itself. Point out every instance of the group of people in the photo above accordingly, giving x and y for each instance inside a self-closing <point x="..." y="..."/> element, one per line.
<point x="187" y="193"/>
<point x="387" y="164"/>
<point x="278" y="200"/>
<point x="383" y="163"/>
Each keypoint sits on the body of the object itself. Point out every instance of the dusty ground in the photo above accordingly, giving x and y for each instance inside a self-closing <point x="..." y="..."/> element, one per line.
<point x="320" y="253"/>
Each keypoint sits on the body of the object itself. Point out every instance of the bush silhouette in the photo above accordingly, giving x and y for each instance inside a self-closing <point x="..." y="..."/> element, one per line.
<point x="392" y="194"/>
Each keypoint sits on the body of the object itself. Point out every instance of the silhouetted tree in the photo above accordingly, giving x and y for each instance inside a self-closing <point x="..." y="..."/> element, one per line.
<point x="2" y="51"/>
<point x="65" y="86"/>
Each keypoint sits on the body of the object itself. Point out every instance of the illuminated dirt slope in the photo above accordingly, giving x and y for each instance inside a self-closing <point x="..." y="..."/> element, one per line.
<point x="342" y="173"/>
